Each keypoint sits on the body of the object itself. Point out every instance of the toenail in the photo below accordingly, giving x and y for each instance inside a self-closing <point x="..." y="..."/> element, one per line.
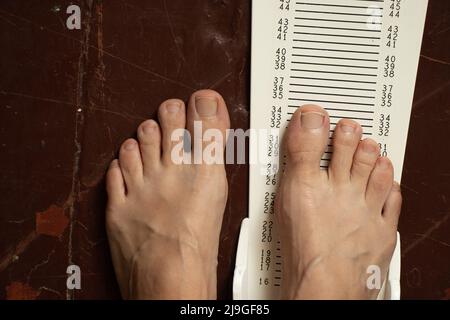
<point x="369" y="148"/>
<point x="148" y="127"/>
<point x="206" y="106"/>
<point x="129" y="145"/>
<point x="173" y="106"/>
<point x="348" y="128"/>
<point x="312" y="120"/>
<point x="383" y="163"/>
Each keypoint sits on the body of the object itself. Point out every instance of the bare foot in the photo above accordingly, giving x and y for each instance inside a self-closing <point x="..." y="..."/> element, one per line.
<point x="337" y="223"/>
<point x="163" y="218"/>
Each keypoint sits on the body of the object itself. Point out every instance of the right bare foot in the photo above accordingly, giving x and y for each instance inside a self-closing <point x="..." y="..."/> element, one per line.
<point x="164" y="219"/>
<point x="335" y="223"/>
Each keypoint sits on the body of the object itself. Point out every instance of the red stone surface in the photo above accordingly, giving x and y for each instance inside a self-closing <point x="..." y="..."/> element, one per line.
<point x="52" y="222"/>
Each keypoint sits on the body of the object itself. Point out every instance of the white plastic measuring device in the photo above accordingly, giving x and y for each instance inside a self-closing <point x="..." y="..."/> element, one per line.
<point x="356" y="58"/>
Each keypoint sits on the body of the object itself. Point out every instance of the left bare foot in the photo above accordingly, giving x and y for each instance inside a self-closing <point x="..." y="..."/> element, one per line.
<point x="164" y="219"/>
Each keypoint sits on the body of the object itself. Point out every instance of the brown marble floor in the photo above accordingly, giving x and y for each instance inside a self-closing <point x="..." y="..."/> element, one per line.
<point x="68" y="98"/>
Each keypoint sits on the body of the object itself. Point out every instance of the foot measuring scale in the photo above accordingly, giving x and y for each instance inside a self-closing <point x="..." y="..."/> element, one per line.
<point x="356" y="58"/>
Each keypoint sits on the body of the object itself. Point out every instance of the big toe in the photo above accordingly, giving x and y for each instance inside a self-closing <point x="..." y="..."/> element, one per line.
<point x="307" y="137"/>
<point x="207" y="122"/>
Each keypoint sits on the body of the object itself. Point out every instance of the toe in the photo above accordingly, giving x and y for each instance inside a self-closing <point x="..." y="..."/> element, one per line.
<point x="307" y="137"/>
<point x="115" y="185"/>
<point x="149" y="136"/>
<point x="208" y="121"/>
<point x="393" y="205"/>
<point x="380" y="183"/>
<point x="172" y="117"/>
<point x="131" y="163"/>
<point x="364" y="161"/>
<point x="345" y="141"/>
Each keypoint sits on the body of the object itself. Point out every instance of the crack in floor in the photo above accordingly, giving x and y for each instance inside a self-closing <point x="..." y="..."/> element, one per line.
<point x="79" y="128"/>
